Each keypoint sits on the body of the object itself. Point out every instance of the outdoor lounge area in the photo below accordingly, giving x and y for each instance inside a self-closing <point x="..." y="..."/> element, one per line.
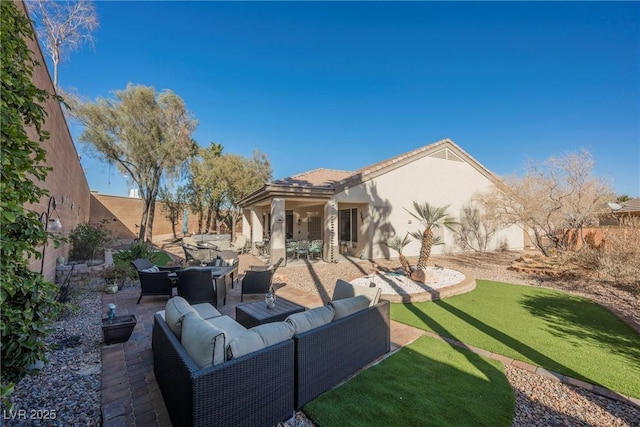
<point x="136" y="393"/>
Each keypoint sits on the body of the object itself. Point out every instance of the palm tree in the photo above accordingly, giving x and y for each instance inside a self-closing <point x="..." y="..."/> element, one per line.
<point x="397" y="244"/>
<point x="431" y="218"/>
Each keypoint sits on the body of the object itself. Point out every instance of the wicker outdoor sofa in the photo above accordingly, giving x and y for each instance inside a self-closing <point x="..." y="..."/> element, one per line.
<point x="325" y="346"/>
<point x="331" y="353"/>
<point x="253" y="390"/>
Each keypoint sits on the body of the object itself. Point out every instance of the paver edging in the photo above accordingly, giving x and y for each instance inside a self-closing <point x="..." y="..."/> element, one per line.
<point x="466" y="285"/>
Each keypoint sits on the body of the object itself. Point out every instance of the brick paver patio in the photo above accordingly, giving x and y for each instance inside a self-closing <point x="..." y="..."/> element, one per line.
<point x="130" y="394"/>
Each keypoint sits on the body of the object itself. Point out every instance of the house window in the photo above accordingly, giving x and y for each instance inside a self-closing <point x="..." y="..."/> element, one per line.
<point x="348" y="225"/>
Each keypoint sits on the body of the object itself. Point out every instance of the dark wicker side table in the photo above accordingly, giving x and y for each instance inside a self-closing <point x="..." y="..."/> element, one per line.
<point x="256" y="313"/>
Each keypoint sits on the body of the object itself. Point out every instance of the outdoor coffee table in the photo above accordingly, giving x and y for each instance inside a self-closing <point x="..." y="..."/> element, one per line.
<point x="256" y="313"/>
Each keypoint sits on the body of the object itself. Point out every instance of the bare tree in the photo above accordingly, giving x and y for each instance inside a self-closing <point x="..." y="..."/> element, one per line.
<point x="63" y="26"/>
<point x="475" y="229"/>
<point x="554" y="200"/>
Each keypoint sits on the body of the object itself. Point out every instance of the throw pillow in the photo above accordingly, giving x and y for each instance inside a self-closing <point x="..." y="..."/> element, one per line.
<point x="310" y="319"/>
<point x="202" y="341"/>
<point x="345" y="307"/>
<point x="153" y="269"/>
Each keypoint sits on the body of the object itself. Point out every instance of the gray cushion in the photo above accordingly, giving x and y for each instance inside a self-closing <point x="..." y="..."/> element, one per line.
<point x="206" y="310"/>
<point x="259" y="337"/>
<point x="230" y="327"/>
<point x="202" y="341"/>
<point x="174" y="312"/>
<point x="344" y="290"/>
<point x="245" y="343"/>
<point x="310" y="319"/>
<point x="345" y="307"/>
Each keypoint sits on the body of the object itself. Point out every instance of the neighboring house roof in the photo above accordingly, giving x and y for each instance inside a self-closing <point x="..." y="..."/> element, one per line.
<point x="630" y="207"/>
<point x="326" y="182"/>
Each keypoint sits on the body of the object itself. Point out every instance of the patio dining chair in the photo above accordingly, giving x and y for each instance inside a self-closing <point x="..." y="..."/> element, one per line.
<point x="315" y="248"/>
<point x="197" y="286"/>
<point x="155" y="283"/>
<point x="302" y="248"/>
<point x="290" y="248"/>
<point x="257" y="279"/>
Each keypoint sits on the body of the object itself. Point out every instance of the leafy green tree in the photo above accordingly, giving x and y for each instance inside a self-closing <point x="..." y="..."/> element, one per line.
<point x="431" y="218"/>
<point x="206" y="188"/>
<point x="218" y="180"/>
<point x="241" y="176"/>
<point x="146" y="134"/>
<point x="174" y="205"/>
<point x="28" y="301"/>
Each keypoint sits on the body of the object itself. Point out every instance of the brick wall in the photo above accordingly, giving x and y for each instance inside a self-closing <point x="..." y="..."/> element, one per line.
<point x="121" y="215"/>
<point x="66" y="182"/>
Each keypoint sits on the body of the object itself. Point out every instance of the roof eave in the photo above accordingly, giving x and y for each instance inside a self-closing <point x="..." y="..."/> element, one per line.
<point x="270" y="191"/>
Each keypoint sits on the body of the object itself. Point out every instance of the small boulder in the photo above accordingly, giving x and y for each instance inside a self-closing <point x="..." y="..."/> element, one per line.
<point x="423" y="276"/>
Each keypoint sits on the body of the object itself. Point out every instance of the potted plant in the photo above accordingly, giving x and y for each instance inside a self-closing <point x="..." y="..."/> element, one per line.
<point x="117" y="275"/>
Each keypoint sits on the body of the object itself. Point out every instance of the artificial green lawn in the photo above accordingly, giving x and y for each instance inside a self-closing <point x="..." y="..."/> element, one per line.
<point x="555" y="330"/>
<point x="427" y="383"/>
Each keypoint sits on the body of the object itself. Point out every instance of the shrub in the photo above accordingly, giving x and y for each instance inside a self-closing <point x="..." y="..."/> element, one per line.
<point x="137" y="250"/>
<point x="118" y="273"/>
<point x="618" y="260"/>
<point x="86" y="239"/>
<point x="28" y="301"/>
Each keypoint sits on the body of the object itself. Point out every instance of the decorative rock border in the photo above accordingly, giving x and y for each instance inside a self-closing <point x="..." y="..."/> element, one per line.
<point x="467" y="285"/>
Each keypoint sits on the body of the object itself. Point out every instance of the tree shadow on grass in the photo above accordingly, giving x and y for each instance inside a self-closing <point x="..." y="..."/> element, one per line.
<point x="578" y="320"/>
<point x="534" y="355"/>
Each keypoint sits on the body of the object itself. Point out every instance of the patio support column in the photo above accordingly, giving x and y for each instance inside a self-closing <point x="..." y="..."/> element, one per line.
<point x="331" y="248"/>
<point x="278" y="221"/>
<point x="246" y="223"/>
<point x="256" y="229"/>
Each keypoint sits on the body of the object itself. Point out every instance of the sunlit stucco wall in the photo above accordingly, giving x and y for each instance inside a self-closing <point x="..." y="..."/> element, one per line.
<point x="434" y="180"/>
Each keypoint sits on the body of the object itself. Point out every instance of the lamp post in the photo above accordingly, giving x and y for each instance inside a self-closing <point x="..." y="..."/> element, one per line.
<point x="52" y="224"/>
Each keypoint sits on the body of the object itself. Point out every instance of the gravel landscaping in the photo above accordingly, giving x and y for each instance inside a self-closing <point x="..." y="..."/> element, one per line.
<point x="70" y="383"/>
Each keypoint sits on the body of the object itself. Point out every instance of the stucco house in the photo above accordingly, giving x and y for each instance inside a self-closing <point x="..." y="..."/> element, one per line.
<point x="354" y="213"/>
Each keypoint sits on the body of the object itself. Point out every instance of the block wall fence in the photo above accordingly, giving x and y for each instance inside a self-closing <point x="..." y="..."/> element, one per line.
<point x="66" y="181"/>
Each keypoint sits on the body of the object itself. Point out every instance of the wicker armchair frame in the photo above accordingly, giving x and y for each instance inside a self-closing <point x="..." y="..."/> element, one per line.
<point x="158" y="283"/>
<point x="252" y="390"/>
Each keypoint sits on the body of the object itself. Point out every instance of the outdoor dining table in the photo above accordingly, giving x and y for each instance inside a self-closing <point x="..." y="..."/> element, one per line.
<point x="209" y="247"/>
<point x="216" y="272"/>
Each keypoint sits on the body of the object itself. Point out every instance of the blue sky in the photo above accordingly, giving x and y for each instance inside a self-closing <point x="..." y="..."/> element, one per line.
<point x="345" y="84"/>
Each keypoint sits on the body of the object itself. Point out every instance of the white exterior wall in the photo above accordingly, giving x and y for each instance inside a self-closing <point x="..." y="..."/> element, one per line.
<point x="437" y="181"/>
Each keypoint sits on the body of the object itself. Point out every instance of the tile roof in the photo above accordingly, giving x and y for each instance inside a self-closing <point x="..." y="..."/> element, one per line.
<point x="316" y="178"/>
<point x="632" y="205"/>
